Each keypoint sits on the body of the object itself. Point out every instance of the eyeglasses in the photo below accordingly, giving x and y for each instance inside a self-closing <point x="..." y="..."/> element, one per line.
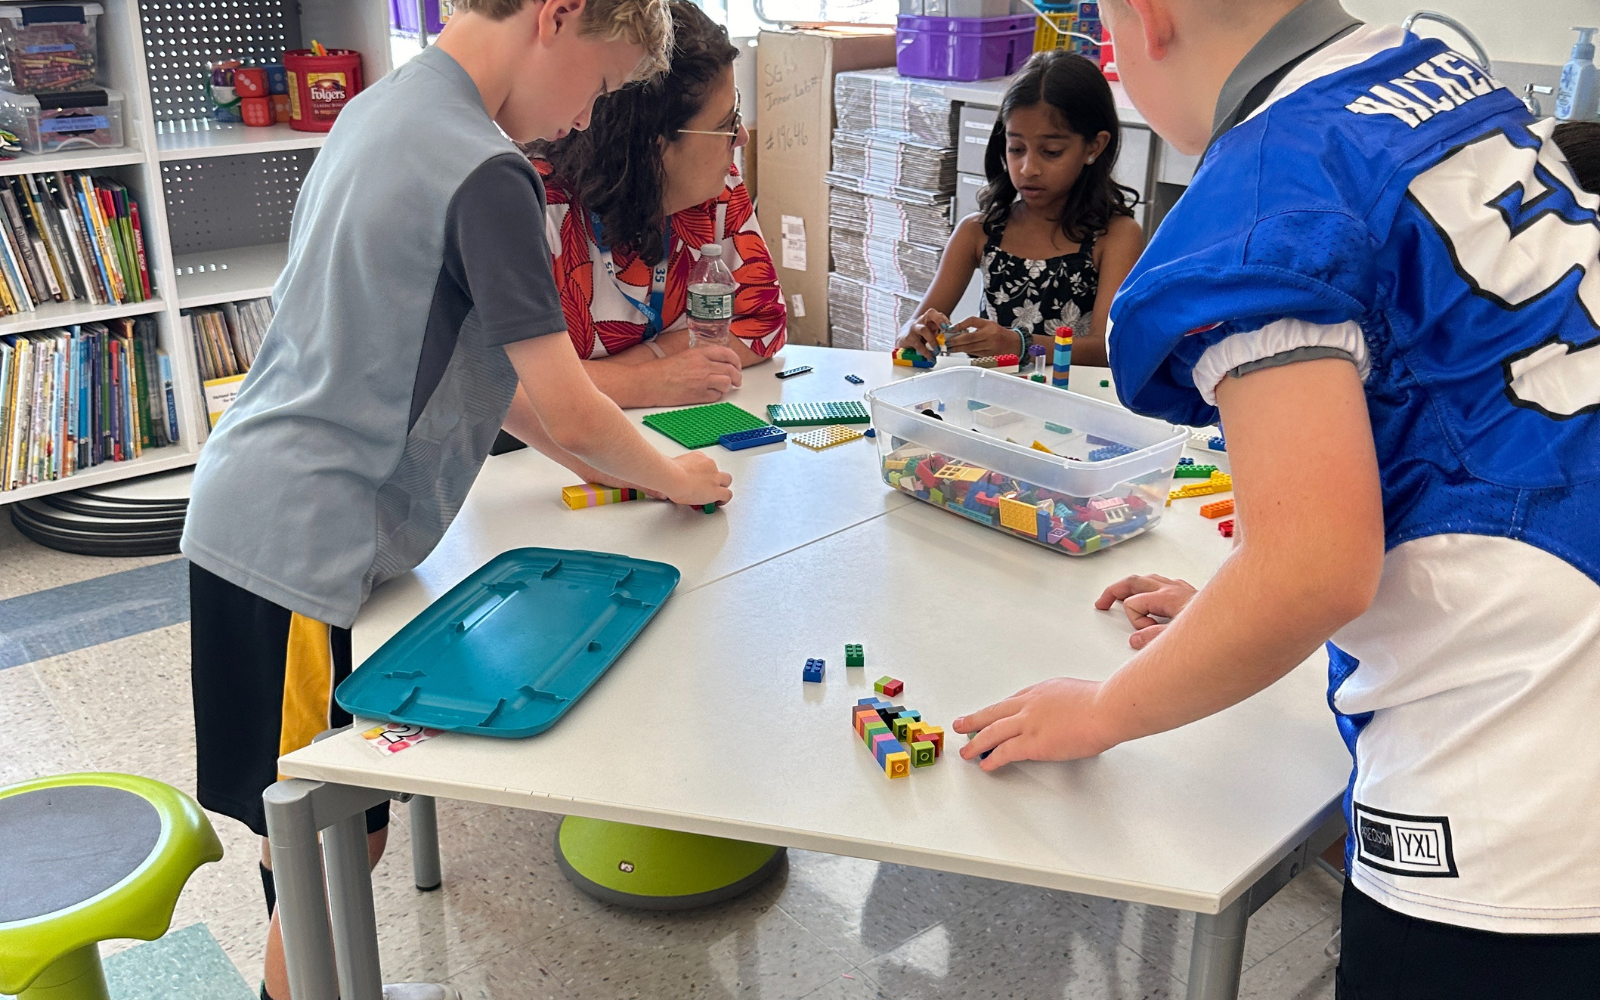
<point x="738" y="123"/>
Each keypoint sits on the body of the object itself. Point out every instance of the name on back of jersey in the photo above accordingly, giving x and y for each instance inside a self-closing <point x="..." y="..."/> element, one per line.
<point x="1437" y="85"/>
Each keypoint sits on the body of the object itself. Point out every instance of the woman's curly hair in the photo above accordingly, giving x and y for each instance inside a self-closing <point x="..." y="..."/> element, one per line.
<point x="614" y="166"/>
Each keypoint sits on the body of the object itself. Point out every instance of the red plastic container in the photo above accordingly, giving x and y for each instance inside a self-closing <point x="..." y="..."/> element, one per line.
<point x="320" y="86"/>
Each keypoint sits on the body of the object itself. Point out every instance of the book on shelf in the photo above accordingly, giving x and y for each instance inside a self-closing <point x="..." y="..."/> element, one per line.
<point x="226" y="341"/>
<point x="76" y="397"/>
<point x="66" y="237"/>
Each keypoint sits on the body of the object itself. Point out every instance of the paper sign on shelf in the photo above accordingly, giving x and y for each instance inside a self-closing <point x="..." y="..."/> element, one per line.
<point x="794" y="243"/>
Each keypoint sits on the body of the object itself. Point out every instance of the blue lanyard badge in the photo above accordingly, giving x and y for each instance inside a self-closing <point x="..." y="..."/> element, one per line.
<point x="651" y="310"/>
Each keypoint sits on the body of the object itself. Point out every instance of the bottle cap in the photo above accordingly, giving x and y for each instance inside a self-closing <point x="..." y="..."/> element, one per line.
<point x="1584" y="47"/>
<point x="711" y="250"/>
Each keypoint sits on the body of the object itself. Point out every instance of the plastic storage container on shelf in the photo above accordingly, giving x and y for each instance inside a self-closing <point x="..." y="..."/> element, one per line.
<point x="962" y="48"/>
<point x="47" y="48"/>
<point x="1104" y="479"/>
<point x="84" y="119"/>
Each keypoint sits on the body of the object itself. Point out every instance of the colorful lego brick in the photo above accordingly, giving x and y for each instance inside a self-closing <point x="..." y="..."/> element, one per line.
<point x="973" y="404"/>
<point x="854" y="655"/>
<point x="1040" y="446"/>
<point x="936" y="496"/>
<point x="709" y="508"/>
<point x="813" y="670"/>
<point x="1036" y="377"/>
<point x="922" y="754"/>
<point x="740" y="440"/>
<point x="869" y="432"/>
<point x="1226" y="528"/>
<point x="934" y="735"/>
<point x="1217" y="443"/>
<point x="1058" y="428"/>
<point x="1222" y="508"/>
<point x="872" y="729"/>
<point x="592" y="495"/>
<point x="817" y="414"/>
<point x="996" y="416"/>
<point x="1105" y="383"/>
<point x="1056" y="535"/>
<point x="1061" y="359"/>
<point x="854" y="379"/>
<point x="897" y="765"/>
<point x="1193" y="471"/>
<point x="1220" y="482"/>
<point x="1186" y="460"/>
<point x="827" y="437"/>
<point x="885" y="743"/>
<point x="1108" y="452"/>
<point x="1098" y="440"/>
<point x="900" y="724"/>
<point x="860" y="715"/>
<point x="889" y="686"/>
<point x="983" y="362"/>
<point x="703" y="426"/>
<point x="960" y="473"/>
<point x="1019" y="517"/>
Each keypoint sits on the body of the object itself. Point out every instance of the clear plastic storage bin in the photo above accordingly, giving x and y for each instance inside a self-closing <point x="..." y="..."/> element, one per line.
<point x="1104" y="479"/>
<point x="84" y="119"/>
<point x="47" y="48"/>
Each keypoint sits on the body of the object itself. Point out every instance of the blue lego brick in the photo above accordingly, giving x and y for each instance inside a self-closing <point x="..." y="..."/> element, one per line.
<point x="1058" y="428"/>
<point x="1217" y="444"/>
<point x="973" y="404"/>
<point x="854" y="379"/>
<point x="1186" y="461"/>
<point x="1096" y="439"/>
<point x="741" y="440"/>
<point x="869" y="432"/>
<point x="813" y="670"/>
<point x="1112" y="450"/>
<point x="888" y="747"/>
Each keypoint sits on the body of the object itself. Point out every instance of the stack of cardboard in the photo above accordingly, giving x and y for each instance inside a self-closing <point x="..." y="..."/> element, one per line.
<point x="893" y="179"/>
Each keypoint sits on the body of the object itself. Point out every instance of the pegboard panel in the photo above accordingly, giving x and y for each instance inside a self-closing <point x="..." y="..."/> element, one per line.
<point x="232" y="201"/>
<point x="180" y="38"/>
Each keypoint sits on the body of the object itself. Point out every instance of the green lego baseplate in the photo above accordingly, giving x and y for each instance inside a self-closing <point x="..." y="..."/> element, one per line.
<point x="701" y="426"/>
<point x="811" y="414"/>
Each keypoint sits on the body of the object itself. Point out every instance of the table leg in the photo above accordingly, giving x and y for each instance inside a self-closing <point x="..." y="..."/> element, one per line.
<point x="1218" y="953"/>
<point x="355" y="928"/>
<point x="302" y="904"/>
<point x="425" y="843"/>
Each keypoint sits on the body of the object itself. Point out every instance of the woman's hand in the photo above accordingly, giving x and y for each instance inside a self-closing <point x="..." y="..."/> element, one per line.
<point x="923" y="333"/>
<point x="983" y="338"/>
<point x="1057" y="719"/>
<point x="695" y="375"/>
<point x="1146" y="598"/>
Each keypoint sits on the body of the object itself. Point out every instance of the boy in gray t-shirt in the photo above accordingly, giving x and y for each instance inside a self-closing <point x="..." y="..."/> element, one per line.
<point x="417" y="300"/>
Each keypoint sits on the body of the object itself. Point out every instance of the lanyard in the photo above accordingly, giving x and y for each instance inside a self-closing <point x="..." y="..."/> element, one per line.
<point x="651" y="310"/>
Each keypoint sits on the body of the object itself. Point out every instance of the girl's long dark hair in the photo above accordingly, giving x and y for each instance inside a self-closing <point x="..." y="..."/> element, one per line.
<point x="614" y="166"/>
<point x="1075" y="88"/>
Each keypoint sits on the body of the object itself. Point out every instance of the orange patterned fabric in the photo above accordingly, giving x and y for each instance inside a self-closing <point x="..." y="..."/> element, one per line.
<point x="603" y="321"/>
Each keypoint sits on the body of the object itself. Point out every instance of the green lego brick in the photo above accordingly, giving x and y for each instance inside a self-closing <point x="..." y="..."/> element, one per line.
<point x="813" y="414"/>
<point x="1105" y="383"/>
<point x="1058" y="428"/>
<point x="701" y="426"/>
<point x="1194" y="472"/>
<point x="922" y="754"/>
<point x="900" y="723"/>
<point x="853" y="655"/>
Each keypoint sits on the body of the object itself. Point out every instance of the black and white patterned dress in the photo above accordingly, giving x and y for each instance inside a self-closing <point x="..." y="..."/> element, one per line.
<point x="1036" y="296"/>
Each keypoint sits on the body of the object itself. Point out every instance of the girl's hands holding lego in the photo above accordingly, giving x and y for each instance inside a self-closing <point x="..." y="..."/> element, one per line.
<point x="697" y="375"/>
<point x="1144" y="599"/>
<point x="923" y="333"/>
<point x="1057" y="719"/>
<point x="701" y="481"/>
<point x="982" y="338"/>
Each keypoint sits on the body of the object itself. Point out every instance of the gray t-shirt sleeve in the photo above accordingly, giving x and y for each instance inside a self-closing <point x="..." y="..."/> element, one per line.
<point x="496" y="249"/>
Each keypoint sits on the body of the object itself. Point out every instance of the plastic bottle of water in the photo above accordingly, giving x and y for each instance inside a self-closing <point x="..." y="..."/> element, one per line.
<point x="711" y="289"/>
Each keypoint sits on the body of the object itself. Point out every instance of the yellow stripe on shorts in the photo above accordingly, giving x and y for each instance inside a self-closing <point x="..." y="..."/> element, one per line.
<point x="307" y="684"/>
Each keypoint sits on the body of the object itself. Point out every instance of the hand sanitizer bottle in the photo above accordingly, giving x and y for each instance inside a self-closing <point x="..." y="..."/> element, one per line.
<point x="1575" y="98"/>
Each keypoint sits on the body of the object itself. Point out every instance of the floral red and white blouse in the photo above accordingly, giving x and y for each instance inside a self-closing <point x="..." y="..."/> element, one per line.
<point x="601" y="301"/>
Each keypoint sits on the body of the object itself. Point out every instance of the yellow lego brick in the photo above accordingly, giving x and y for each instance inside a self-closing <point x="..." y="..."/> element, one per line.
<point x="826" y="437"/>
<point x="897" y="765"/>
<point x="960" y="473"/>
<point x="1019" y="516"/>
<point x="1039" y="446"/>
<point x="1220" y="482"/>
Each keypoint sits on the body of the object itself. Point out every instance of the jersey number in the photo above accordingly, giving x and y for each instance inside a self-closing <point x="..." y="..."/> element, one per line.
<point x="1518" y="226"/>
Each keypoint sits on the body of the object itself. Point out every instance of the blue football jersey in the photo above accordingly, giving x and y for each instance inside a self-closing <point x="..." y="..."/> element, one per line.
<point x="1394" y="204"/>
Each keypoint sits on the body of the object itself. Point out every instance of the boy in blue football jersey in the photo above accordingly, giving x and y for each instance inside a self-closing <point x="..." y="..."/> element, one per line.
<point x="1386" y="282"/>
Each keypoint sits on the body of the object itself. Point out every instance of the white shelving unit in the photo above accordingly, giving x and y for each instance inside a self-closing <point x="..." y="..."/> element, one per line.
<point x="214" y="199"/>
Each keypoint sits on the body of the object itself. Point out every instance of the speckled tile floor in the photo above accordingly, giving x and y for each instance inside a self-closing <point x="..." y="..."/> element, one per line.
<point x="506" y="925"/>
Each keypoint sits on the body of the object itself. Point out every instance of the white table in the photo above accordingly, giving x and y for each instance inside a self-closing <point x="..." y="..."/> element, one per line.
<point x="815" y="552"/>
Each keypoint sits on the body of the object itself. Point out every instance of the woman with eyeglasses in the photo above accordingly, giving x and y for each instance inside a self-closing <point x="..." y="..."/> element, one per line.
<point x="631" y="201"/>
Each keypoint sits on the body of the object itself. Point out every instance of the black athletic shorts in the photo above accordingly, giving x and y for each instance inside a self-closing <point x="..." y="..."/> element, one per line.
<point x="263" y="681"/>
<point x="1386" y="955"/>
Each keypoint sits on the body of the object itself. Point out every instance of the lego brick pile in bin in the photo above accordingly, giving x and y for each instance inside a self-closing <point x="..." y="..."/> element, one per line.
<point x="1075" y="525"/>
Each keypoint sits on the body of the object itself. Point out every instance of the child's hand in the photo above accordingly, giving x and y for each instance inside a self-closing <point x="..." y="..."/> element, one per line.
<point x="701" y="481"/>
<point x="923" y="333"/>
<point x="1146" y="598"/>
<point x="1057" y="719"/>
<point x="983" y="338"/>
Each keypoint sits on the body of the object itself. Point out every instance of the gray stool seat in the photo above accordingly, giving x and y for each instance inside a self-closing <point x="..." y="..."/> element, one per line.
<point x="61" y="846"/>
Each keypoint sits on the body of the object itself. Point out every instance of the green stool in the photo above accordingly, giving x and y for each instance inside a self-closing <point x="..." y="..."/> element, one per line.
<point x="650" y="869"/>
<point x="85" y="858"/>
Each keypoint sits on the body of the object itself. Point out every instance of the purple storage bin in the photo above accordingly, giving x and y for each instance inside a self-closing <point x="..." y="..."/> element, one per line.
<point x="403" y="17"/>
<point x="962" y="48"/>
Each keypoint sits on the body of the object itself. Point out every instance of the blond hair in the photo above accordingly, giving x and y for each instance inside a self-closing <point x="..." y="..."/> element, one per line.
<point x="646" y="23"/>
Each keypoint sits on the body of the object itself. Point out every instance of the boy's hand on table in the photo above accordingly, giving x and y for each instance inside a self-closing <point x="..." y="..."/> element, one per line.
<point x="1057" y="719"/>
<point x="982" y="338"/>
<point x="923" y="333"/>
<point x="701" y="481"/>
<point x="1146" y="598"/>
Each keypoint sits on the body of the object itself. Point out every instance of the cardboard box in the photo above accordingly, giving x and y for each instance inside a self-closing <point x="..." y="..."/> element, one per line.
<point x="795" y="112"/>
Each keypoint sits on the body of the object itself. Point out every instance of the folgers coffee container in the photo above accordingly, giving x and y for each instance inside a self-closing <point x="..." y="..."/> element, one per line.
<point x="320" y="86"/>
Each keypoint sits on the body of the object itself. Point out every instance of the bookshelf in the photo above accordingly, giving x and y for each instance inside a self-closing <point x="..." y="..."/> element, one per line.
<point x="214" y="199"/>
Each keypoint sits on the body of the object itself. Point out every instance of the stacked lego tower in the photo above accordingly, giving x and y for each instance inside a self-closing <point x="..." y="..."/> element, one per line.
<point x="893" y="178"/>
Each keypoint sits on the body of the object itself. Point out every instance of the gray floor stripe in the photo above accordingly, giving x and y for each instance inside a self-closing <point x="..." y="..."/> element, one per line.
<point x="79" y="615"/>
